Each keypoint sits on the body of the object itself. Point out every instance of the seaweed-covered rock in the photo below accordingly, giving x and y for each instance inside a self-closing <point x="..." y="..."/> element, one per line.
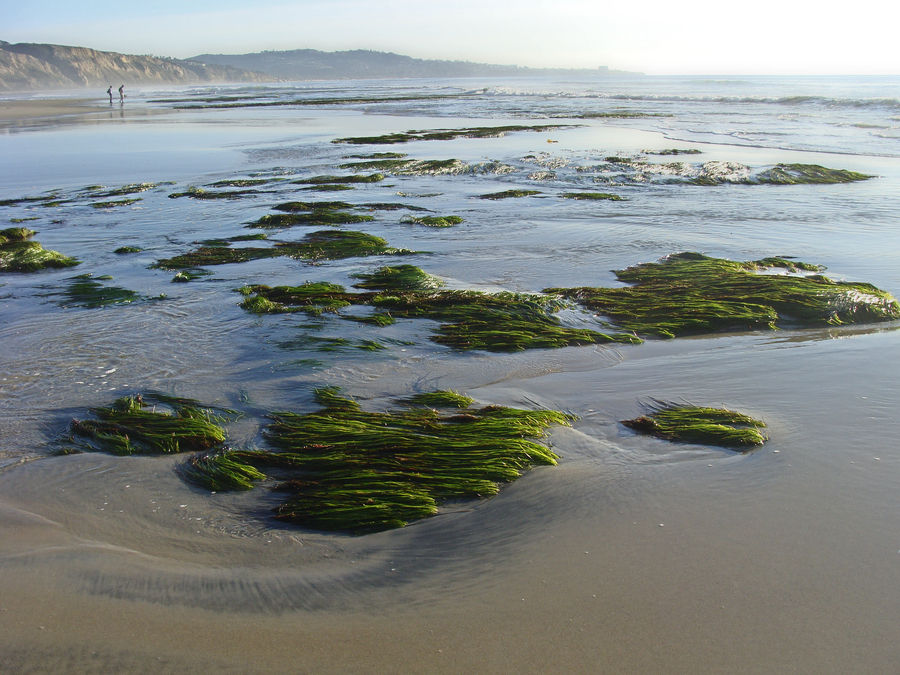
<point x="690" y="293"/>
<point x="706" y="426"/>
<point x="349" y="470"/>
<point x="18" y="254"/>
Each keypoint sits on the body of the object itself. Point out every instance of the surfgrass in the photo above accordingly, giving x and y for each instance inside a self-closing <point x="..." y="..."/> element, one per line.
<point x="704" y="426"/>
<point x="592" y="196"/>
<point x="398" y="278"/>
<point x="346" y="469"/>
<point x="690" y="293"/>
<point x="319" y="245"/>
<point x="432" y="221"/>
<point x="148" y="423"/>
<point x="447" y="134"/>
<point x="510" y="194"/>
<point x="85" y="291"/>
<point x="469" y="319"/>
<point x="18" y="254"/>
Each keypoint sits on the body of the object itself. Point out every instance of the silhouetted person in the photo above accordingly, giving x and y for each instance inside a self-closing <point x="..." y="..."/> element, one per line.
<point x="122" y="94"/>
<point x="109" y="91"/>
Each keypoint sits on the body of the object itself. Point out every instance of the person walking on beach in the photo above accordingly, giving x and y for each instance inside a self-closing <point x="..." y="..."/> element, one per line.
<point x="121" y="94"/>
<point x="109" y="91"/>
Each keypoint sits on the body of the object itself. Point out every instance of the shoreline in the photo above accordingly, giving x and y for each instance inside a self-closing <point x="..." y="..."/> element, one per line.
<point x="34" y="109"/>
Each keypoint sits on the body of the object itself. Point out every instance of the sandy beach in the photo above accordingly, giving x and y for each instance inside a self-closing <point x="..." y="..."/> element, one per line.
<point x="31" y="109"/>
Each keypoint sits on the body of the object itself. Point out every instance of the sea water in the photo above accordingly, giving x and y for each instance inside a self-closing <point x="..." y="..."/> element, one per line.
<point x="632" y="555"/>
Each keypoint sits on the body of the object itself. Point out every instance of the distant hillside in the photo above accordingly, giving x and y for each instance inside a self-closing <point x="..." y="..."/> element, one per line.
<point x="359" y="64"/>
<point x="29" y="67"/>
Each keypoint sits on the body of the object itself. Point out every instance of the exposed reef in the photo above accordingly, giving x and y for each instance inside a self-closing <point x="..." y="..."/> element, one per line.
<point x="320" y="245"/>
<point x="448" y="134"/>
<point x="469" y="319"/>
<point x="592" y="196"/>
<point x="690" y="293"/>
<point x="19" y="254"/>
<point x="432" y="221"/>
<point x="510" y="194"/>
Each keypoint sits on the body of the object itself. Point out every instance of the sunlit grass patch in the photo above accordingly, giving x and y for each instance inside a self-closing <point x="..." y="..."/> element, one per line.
<point x="705" y="426"/>
<point x="469" y="319"/>
<point x="320" y="245"/>
<point x="147" y="423"/>
<point x="116" y="203"/>
<point x="398" y="278"/>
<point x="510" y="194"/>
<point x="447" y="134"/>
<point x="432" y="221"/>
<point x="328" y="180"/>
<point x="592" y="196"/>
<point x="18" y="254"/>
<point x="345" y="469"/>
<point x="690" y="293"/>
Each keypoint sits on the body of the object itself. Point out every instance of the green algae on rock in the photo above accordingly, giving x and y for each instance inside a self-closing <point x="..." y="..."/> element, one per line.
<point x="318" y="217"/>
<point x="128" y="249"/>
<point x="398" y="278"/>
<point x="191" y="274"/>
<point x="448" y="134"/>
<point x="704" y="426"/>
<point x="430" y="167"/>
<point x="510" y="194"/>
<point x="808" y="174"/>
<point x="593" y="196"/>
<point x="432" y="221"/>
<point x="690" y="293"/>
<point x="200" y="193"/>
<point x="328" y="180"/>
<point x="329" y="188"/>
<point x="673" y="151"/>
<point x="244" y="182"/>
<point x="344" y="469"/>
<point x="118" y="202"/>
<point x="147" y="423"/>
<point x="319" y="245"/>
<point x="469" y="319"/>
<point x="18" y="254"/>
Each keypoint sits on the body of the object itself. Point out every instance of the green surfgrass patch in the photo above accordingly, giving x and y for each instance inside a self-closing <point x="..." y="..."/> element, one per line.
<point x="592" y="196"/>
<point x="432" y="221"/>
<point x="19" y="254"/>
<point x="447" y="134"/>
<point x="320" y="245"/>
<point x="345" y="469"/>
<point x="469" y="319"/>
<point x="703" y="426"/>
<point x="88" y="292"/>
<point x="690" y="293"/>
<point x="510" y="194"/>
<point x="147" y="423"/>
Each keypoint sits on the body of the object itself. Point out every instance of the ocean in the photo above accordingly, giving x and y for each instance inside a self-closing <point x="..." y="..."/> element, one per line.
<point x="633" y="555"/>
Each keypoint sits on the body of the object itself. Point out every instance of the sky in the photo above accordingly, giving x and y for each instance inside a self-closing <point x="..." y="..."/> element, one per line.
<point x="657" y="37"/>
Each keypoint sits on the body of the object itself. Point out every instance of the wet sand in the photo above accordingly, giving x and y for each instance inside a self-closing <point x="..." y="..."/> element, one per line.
<point x="32" y="109"/>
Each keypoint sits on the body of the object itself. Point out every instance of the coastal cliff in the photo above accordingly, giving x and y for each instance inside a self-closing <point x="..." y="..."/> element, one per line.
<point x="30" y="67"/>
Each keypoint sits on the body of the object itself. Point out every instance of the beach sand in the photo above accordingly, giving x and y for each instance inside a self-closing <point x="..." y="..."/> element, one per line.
<point x="31" y="109"/>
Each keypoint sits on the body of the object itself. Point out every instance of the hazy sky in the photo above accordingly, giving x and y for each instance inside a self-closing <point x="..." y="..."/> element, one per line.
<point x="654" y="36"/>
